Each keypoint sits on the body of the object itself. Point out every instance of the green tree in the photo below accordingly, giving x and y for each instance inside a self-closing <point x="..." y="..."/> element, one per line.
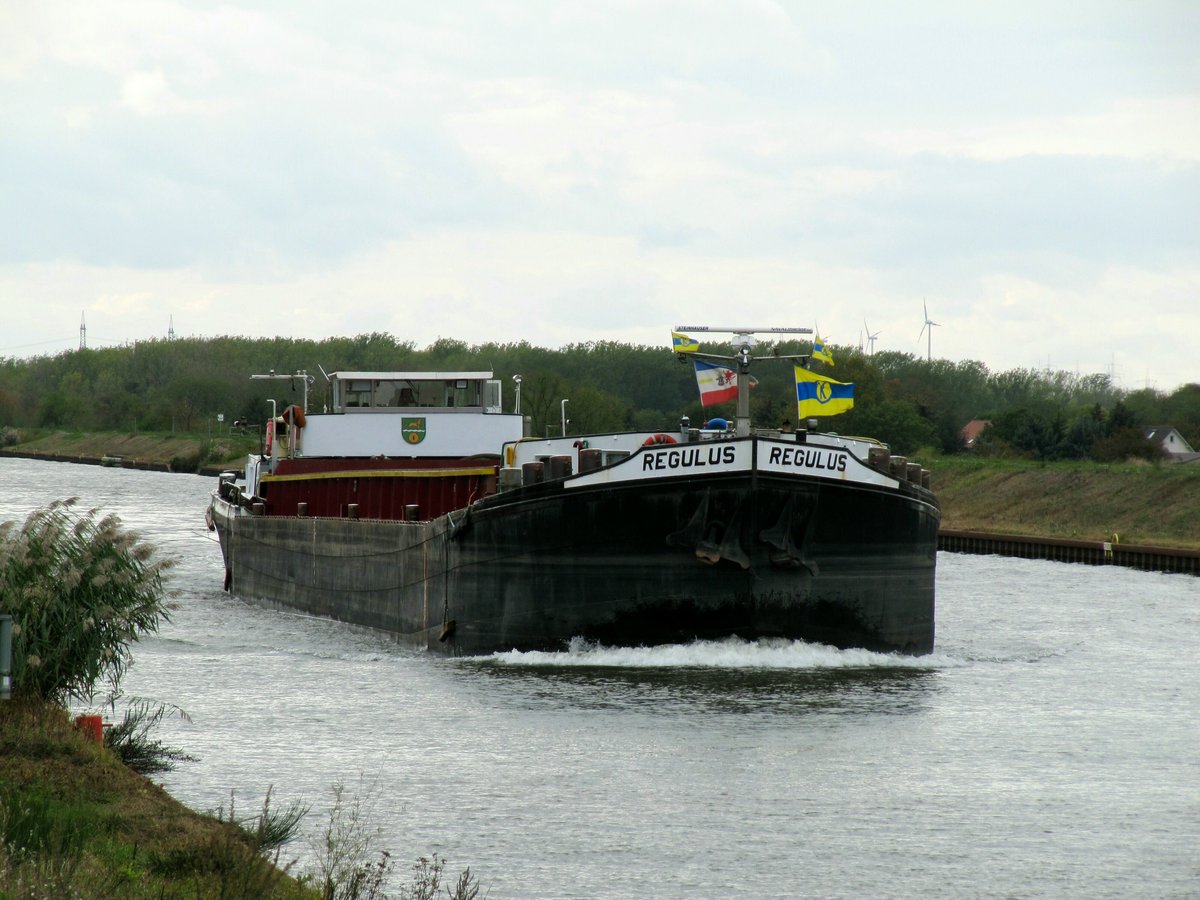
<point x="1182" y="410"/>
<point x="195" y="396"/>
<point x="156" y="382"/>
<point x="898" y="424"/>
<point x="591" y="410"/>
<point x="116" y="407"/>
<point x="1125" y="438"/>
<point x="66" y="405"/>
<point x="541" y="400"/>
<point x="1088" y="428"/>
<point x="1034" y="431"/>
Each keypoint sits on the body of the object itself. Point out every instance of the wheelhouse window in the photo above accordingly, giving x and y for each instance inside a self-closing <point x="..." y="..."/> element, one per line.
<point x="397" y="392"/>
<point x="492" y="398"/>
<point x="358" y="393"/>
<point x="467" y="392"/>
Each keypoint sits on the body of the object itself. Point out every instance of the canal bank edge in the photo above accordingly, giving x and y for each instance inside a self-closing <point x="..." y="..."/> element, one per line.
<point x="1095" y="553"/>
<point x="152" y="452"/>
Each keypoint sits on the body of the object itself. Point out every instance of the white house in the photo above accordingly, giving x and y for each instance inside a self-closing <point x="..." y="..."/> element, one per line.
<point x="1172" y="442"/>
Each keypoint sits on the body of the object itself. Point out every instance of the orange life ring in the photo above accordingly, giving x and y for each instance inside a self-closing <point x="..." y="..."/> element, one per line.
<point x="294" y="415"/>
<point x="658" y="439"/>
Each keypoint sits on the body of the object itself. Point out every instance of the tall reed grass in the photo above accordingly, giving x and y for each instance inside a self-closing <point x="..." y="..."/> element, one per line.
<point x="81" y="590"/>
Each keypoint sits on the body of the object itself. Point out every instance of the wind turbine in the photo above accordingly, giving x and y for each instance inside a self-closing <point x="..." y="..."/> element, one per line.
<point x="870" y="337"/>
<point x="929" y="323"/>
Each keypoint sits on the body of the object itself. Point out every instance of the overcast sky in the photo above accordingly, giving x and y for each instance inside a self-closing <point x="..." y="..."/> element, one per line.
<point x="564" y="172"/>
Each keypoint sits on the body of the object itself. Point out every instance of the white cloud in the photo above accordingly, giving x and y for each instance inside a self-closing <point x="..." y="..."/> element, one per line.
<point x="1151" y="129"/>
<point x="146" y="93"/>
<point x="562" y="172"/>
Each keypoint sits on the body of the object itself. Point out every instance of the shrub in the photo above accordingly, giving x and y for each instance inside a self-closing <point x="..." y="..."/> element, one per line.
<point x="130" y="740"/>
<point x="349" y="866"/>
<point x="187" y="461"/>
<point x="272" y="828"/>
<point x="80" y="591"/>
<point x="345" y="846"/>
<point x="426" y="878"/>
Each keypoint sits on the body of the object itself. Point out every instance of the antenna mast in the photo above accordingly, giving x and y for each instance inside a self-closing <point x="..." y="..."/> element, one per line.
<point x="82" y="332"/>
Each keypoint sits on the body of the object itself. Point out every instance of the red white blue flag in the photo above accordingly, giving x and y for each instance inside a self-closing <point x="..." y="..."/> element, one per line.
<point x="717" y="383"/>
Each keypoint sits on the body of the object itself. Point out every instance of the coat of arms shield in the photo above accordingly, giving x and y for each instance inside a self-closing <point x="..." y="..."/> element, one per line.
<point x="413" y="429"/>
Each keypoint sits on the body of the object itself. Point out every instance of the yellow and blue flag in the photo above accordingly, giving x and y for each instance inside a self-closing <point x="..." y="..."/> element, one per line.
<point x="683" y="344"/>
<point x="820" y="351"/>
<point x="817" y="395"/>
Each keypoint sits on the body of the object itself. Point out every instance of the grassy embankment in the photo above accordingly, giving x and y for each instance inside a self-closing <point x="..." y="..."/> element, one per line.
<point x="179" y="452"/>
<point x="76" y="822"/>
<point x="1156" y="505"/>
<point x="1144" y="504"/>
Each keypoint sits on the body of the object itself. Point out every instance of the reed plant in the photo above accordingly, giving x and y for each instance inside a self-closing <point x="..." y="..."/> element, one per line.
<point x="271" y="828"/>
<point x="426" y="879"/>
<point x="344" y="849"/>
<point x="130" y="739"/>
<point x="81" y="590"/>
<point x="351" y="866"/>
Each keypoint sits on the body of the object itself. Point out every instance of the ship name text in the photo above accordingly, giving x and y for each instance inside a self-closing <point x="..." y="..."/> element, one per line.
<point x="687" y="458"/>
<point x="804" y="458"/>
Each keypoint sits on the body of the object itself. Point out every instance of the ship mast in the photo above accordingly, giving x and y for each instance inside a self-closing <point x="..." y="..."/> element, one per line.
<point x="743" y="345"/>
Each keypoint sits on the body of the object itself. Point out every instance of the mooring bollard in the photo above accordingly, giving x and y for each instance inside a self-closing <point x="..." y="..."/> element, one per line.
<point x="92" y="727"/>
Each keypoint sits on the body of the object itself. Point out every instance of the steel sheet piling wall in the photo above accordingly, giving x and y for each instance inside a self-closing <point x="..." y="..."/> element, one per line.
<point x="1096" y="553"/>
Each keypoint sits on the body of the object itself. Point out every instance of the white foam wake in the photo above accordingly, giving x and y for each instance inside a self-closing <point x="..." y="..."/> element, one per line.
<point x="730" y="653"/>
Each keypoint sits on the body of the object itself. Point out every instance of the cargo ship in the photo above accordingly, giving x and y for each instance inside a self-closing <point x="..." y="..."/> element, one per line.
<point x="415" y="505"/>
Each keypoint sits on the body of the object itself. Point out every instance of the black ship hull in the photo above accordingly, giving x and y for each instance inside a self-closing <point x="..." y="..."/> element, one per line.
<point x="707" y="555"/>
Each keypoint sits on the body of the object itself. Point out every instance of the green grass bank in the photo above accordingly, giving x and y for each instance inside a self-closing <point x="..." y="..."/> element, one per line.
<point x="1157" y="505"/>
<point x="76" y="822"/>
<point x="177" y="452"/>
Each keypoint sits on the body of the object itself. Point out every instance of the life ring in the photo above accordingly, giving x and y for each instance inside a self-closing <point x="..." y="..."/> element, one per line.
<point x="294" y="415"/>
<point x="658" y="439"/>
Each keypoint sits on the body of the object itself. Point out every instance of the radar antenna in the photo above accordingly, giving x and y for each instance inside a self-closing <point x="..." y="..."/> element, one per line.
<point x="743" y="346"/>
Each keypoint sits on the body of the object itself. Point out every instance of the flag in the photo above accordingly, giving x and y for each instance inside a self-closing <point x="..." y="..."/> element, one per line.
<point x="683" y="344"/>
<point x="717" y="383"/>
<point x="820" y="351"/>
<point x="817" y="395"/>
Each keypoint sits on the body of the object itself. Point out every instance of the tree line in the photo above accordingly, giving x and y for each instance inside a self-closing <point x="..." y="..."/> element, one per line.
<point x="183" y="385"/>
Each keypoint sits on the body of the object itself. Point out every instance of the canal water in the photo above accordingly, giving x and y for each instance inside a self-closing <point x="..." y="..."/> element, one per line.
<point x="1049" y="747"/>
